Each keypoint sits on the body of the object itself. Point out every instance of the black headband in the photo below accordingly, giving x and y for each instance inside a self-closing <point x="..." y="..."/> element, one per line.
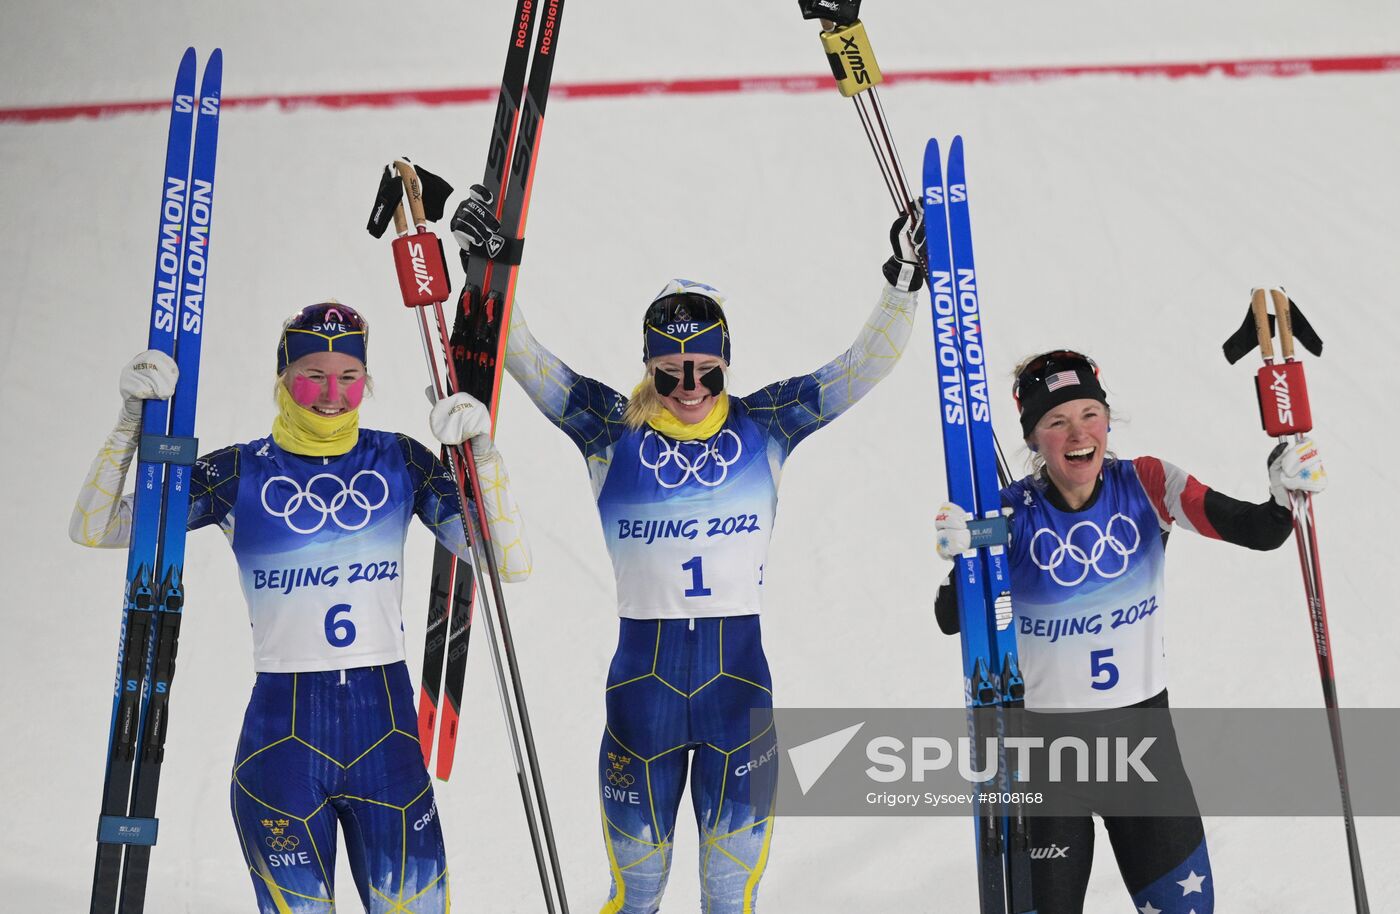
<point x="1037" y="399"/>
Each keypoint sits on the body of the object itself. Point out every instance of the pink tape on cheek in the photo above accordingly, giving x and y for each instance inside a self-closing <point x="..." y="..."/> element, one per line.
<point x="355" y="393"/>
<point x="305" y="391"/>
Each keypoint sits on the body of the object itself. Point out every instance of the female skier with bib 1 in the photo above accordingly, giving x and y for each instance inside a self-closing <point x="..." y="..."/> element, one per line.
<point x="686" y="480"/>
<point x="317" y="514"/>
<point x="1088" y="537"/>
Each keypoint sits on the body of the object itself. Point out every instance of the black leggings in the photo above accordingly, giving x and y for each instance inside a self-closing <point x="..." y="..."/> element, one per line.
<point x="1147" y="849"/>
<point x="1161" y="858"/>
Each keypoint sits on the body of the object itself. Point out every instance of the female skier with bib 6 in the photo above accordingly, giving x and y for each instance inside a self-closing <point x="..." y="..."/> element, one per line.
<point x="317" y="514"/>
<point x="1088" y="537"/>
<point x="686" y="477"/>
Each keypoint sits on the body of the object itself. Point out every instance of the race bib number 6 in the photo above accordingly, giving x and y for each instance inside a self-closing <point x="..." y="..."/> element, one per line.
<point x="340" y="631"/>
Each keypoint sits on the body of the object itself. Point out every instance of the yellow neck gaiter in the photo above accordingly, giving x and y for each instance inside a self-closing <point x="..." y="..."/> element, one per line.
<point x="304" y="431"/>
<point x="668" y="425"/>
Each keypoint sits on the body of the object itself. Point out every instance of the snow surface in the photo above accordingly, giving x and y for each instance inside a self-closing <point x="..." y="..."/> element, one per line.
<point x="1125" y="216"/>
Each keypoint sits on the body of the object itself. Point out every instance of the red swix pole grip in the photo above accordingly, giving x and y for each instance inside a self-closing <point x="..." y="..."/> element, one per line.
<point x="423" y="278"/>
<point x="1282" y="388"/>
<point x="1283" y="399"/>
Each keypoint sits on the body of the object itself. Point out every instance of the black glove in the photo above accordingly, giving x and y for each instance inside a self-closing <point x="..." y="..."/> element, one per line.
<point x="905" y="270"/>
<point x="475" y="225"/>
<point x="390" y="194"/>
<point x="842" y="12"/>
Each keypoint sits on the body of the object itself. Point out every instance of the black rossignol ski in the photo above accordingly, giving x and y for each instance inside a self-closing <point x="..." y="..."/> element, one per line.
<point x="982" y="578"/>
<point x="480" y="329"/>
<point x="435" y="646"/>
<point x="155" y="565"/>
<point x="483" y="310"/>
<point x="460" y="613"/>
<point x="498" y="160"/>
<point x="477" y="335"/>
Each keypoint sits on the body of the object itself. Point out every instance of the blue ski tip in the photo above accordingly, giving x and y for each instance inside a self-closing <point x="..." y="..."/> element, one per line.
<point x="933" y="175"/>
<point x="214" y="68"/>
<point x="185" y="73"/>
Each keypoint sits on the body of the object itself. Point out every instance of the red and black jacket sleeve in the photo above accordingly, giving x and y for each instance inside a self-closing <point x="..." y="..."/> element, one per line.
<point x="1180" y="498"/>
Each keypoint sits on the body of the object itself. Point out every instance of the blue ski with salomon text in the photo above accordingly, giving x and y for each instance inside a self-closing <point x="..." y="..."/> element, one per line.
<point x="155" y="584"/>
<point x="992" y="679"/>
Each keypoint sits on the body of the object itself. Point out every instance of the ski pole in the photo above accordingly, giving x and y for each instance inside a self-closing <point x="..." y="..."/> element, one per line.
<point x="1283" y="403"/>
<point x="423" y="280"/>
<point x="857" y="74"/>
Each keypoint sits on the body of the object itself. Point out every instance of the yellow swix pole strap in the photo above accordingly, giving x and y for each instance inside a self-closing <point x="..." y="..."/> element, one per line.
<point x="852" y="59"/>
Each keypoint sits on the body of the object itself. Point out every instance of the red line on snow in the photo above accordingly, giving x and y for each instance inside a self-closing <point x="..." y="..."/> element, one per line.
<point x="393" y="98"/>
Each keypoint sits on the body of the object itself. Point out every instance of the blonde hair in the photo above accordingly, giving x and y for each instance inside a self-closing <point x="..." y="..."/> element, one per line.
<point x="645" y="403"/>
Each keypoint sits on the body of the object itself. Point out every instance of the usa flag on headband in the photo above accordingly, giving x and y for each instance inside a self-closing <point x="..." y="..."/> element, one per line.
<point x="1061" y="379"/>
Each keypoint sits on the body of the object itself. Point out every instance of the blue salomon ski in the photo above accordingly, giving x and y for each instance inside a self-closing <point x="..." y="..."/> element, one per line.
<point x="991" y="672"/>
<point x="155" y="563"/>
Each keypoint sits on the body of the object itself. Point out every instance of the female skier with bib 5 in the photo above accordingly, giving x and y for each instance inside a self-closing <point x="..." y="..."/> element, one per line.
<point x="686" y="480"/>
<point x="317" y="514"/>
<point x="1088" y="538"/>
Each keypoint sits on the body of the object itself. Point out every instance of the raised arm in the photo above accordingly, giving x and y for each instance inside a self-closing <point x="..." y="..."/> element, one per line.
<point x="588" y="411"/>
<point x="101" y="517"/>
<point x="794" y="408"/>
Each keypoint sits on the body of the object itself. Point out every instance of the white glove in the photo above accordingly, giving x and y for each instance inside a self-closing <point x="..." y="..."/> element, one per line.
<point x="459" y="418"/>
<point x="953" y="537"/>
<point x="1295" y="468"/>
<point x="150" y="375"/>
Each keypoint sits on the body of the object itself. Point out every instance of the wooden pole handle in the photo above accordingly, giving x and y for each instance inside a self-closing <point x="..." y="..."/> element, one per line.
<point x="414" y="188"/>
<point x="400" y="220"/>
<point x="1285" y="323"/>
<point x="1258" y="304"/>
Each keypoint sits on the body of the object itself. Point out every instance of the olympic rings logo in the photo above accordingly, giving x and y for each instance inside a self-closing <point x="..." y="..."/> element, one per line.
<point x="281" y="843"/>
<point x="1110" y="540"/>
<point x="620" y="780"/>
<point x="677" y="462"/>
<point x="332" y="500"/>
